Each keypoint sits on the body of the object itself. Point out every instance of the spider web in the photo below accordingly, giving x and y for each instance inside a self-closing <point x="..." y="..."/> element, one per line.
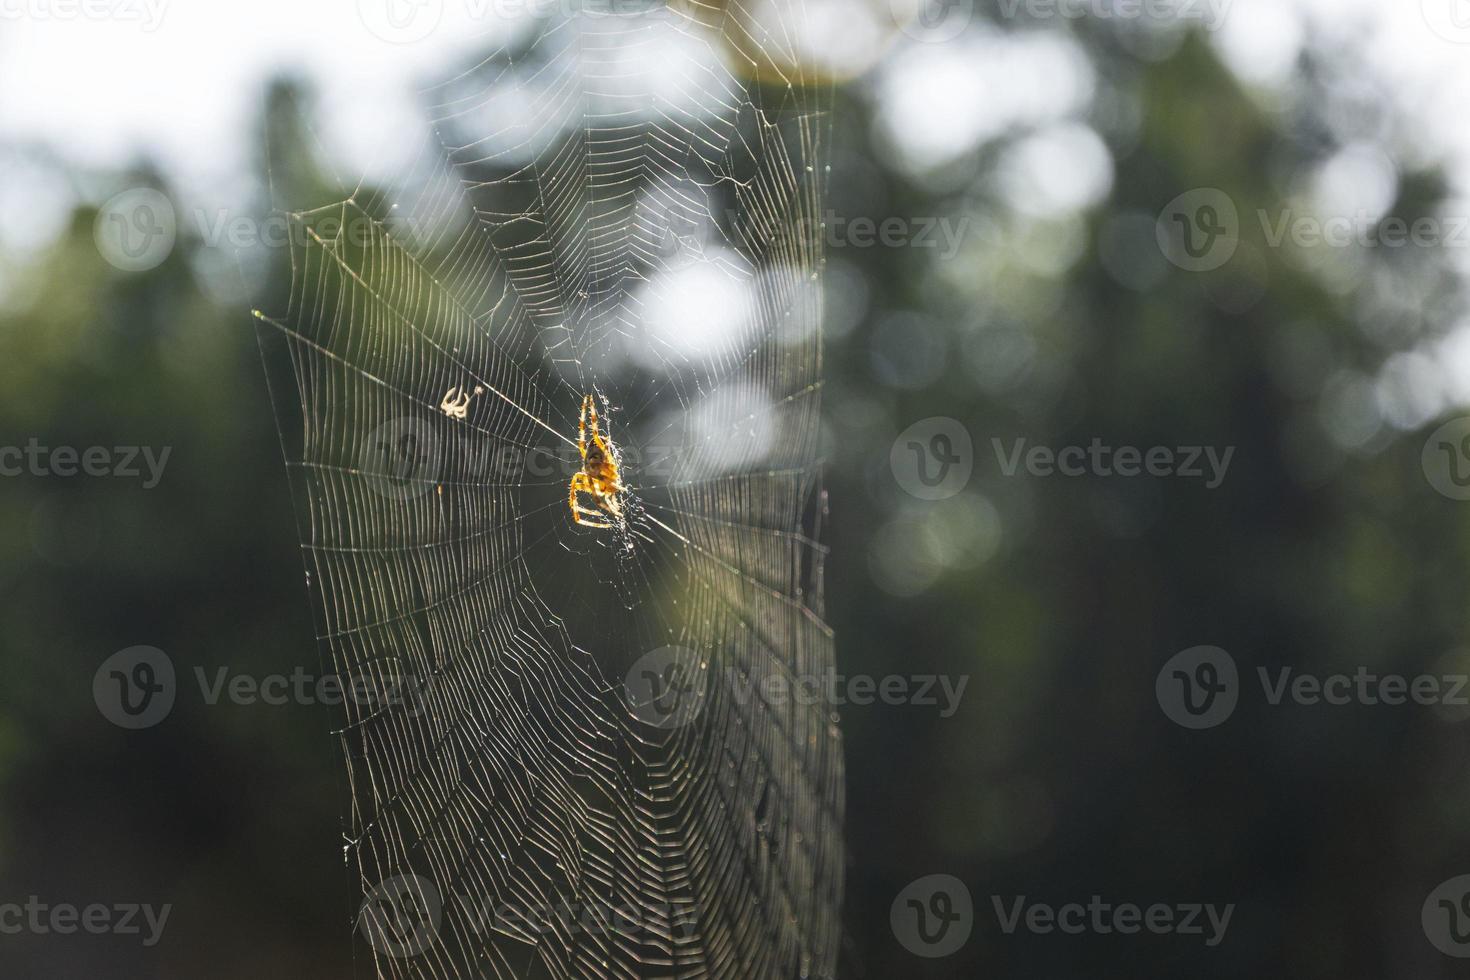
<point x="571" y="751"/>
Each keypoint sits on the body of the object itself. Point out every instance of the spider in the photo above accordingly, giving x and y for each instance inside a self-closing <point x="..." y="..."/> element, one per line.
<point x="599" y="477"/>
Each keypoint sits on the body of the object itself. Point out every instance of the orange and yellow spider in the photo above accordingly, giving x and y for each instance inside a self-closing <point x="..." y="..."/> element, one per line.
<point x="599" y="477"/>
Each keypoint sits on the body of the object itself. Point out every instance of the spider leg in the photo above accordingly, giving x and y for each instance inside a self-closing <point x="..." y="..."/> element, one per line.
<point x="582" y="430"/>
<point x="585" y="523"/>
<point x="577" y="513"/>
<point x="601" y="517"/>
<point x="579" y="483"/>
<point x="587" y="420"/>
<point x="582" y="483"/>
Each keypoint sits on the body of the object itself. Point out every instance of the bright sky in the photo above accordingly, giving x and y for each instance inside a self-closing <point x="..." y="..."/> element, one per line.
<point x="179" y="80"/>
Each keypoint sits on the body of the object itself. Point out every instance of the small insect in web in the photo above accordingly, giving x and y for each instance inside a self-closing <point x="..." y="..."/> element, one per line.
<point x="599" y="477"/>
<point x="456" y="403"/>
